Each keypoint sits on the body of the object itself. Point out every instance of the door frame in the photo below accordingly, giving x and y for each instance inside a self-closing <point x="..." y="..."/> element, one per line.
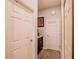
<point x="70" y="14"/>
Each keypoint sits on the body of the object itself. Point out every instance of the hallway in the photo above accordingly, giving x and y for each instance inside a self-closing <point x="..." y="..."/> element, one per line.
<point x="49" y="29"/>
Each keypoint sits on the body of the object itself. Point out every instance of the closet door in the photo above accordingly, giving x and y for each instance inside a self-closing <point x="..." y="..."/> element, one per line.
<point x="20" y="27"/>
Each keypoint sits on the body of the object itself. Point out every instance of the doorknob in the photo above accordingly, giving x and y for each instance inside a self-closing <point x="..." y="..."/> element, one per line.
<point x="47" y="35"/>
<point x="31" y="40"/>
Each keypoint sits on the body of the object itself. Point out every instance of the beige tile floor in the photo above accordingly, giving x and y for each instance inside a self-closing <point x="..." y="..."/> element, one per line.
<point x="49" y="54"/>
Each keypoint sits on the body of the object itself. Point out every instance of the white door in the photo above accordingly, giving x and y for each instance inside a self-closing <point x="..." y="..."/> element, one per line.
<point x="23" y="34"/>
<point x="53" y="34"/>
<point x="22" y="43"/>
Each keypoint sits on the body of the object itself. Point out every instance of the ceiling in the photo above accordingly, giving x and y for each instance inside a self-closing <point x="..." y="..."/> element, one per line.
<point x="48" y="3"/>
